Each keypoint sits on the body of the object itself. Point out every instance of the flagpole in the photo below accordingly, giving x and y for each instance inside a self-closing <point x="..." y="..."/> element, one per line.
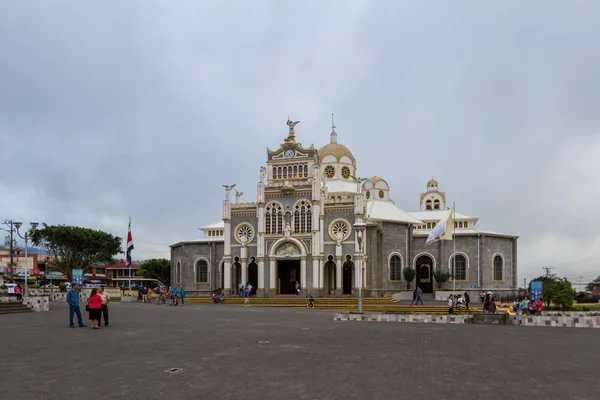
<point x="454" y="242"/>
<point x="127" y="251"/>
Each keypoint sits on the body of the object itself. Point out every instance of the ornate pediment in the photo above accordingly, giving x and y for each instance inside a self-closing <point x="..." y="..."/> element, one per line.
<point x="288" y="249"/>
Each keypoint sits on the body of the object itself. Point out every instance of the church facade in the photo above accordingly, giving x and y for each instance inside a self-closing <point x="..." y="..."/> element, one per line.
<point x="306" y="228"/>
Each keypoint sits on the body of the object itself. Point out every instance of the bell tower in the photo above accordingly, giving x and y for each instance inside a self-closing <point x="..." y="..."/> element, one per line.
<point x="432" y="199"/>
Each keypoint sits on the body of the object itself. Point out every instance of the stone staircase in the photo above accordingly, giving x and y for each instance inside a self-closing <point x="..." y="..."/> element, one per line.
<point x="13" y="307"/>
<point x="385" y="304"/>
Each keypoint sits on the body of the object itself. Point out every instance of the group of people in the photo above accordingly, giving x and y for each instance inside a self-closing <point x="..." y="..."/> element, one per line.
<point x="458" y="301"/>
<point x="528" y="306"/>
<point x="174" y="295"/>
<point x="97" y="307"/>
<point x="489" y="303"/>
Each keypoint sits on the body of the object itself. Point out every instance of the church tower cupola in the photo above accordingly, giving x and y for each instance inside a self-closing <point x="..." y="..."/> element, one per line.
<point x="432" y="199"/>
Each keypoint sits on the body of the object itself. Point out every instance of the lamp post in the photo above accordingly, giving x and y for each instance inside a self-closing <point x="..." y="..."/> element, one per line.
<point x="359" y="227"/>
<point x="34" y="225"/>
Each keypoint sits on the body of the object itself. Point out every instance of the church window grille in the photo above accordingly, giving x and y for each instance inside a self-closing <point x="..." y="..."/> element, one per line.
<point x="368" y="195"/>
<point x="345" y="172"/>
<point x="381" y="194"/>
<point x="460" y="225"/>
<point x="428" y="204"/>
<point x="305" y="170"/>
<point x="436" y="205"/>
<point x="303" y="217"/>
<point x="295" y="171"/>
<point x="342" y="228"/>
<point x="466" y="224"/>
<point x="498" y="268"/>
<point x="274" y="218"/>
<point x="201" y="271"/>
<point x="395" y="268"/>
<point x="329" y="171"/>
<point x="460" y="267"/>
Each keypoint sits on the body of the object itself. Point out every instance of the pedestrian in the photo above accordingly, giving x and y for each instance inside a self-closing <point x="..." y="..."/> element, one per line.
<point x="182" y="294"/>
<point x="95" y="308"/>
<point x="144" y="294"/>
<point x="524" y="306"/>
<point x="467" y="300"/>
<point x="105" y="300"/>
<point x="73" y="302"/>
<point x="414" y="300"/>
<point x="492" y="306"/>
<point x="297" y="288"/>
<point x="140" y="295"/>
<point x="164" y="298"/>
<point x="157" y="291"/>
<point x="18" y="292"/>
<point x="246" y="298"/>
<point x="419" y="296"/>
<point x="311" y="302"/>
<point x="539" y="306"/>
<point x="241" y="289"/>
<point x="451" y="304"/>
<point x="150" y="296"/>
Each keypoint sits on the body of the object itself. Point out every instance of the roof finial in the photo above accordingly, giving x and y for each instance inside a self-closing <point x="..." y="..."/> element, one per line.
<point x="332" y="124"/>
<point x="333" y="135"/>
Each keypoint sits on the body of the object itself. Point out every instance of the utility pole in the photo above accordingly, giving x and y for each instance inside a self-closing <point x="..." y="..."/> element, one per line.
<point x="10" y="223"/>
<point x="547" y="269"/>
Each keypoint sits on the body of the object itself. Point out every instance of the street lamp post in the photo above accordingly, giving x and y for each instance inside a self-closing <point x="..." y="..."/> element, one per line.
<point x="359" y="227"/>
<point x="34" y="225"/>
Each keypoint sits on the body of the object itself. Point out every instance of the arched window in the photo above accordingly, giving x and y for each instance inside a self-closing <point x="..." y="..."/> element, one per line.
<point x="460" y="267"/>
<point x="498" y="268"/>
<point x="466" y="224"/>
<point x="395" y="268"/>
<point x="274" y="218"/>
<point x="436" y="205"/>
<point x="178" y="272"/>
<point x="428" y="204"/>
<point x="302" y="216"/>
<point x="201" y="271"/>
<point x="460" y="225"/>
<point x="429" y="225"/>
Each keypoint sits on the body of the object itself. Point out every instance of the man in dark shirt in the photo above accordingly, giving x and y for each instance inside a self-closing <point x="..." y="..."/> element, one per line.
<point x="145" y="294"/>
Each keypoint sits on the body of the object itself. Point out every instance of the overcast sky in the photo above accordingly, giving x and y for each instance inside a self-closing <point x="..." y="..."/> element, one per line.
<point x="146" y="108"/>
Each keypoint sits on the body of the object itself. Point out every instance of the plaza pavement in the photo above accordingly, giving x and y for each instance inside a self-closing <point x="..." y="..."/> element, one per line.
<point x="232" y="352"/>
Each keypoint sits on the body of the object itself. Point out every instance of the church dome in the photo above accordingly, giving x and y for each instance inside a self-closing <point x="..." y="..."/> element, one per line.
<point x="337" y="150"/>
<point x="432" y="182"/>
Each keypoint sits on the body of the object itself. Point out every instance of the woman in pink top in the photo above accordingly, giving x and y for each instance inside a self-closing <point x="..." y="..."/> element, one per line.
<point x="539" y="306"/>
<point x="95" y="306"/>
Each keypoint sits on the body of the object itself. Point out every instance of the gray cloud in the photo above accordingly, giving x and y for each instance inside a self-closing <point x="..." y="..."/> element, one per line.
<point x="145" y="109"/>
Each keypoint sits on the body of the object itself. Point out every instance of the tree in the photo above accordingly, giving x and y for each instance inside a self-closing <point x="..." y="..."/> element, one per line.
<point x="72" y="247"/>
<point x="409" y="275"/>
<point x="157" y="268"/>
<point x="441" y="277"/>
<point x="589" y="286"/>
<point x="556" y="290"/>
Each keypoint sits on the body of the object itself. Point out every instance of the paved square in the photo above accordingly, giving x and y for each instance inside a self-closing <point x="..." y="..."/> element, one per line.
<point x="231" y="352"/>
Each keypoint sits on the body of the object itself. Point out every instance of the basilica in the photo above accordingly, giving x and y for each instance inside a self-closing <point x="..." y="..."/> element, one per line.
<point x="316" y="226"/>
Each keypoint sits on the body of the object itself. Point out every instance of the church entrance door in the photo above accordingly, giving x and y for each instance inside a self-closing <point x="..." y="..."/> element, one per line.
<point x="347" y="278"/>
<point x="329" y="277"/>
<point x="253" y="277"/>
<point x="424" y="269"/>
<point x="288" y="273"/>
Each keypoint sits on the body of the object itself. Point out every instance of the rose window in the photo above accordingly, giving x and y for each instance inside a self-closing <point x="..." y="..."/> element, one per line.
<point x="329" y="171"/>
<point x="340" y="229"/>
<point x="345" y="172"/>
<point x="245" y="231"/>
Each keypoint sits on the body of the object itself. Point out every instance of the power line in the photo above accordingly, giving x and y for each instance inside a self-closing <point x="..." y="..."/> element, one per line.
<point x="548" y="269"/>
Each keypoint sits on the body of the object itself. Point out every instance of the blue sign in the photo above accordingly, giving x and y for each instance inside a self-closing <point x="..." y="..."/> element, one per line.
<point x="78" y="276"/>
<point x="535" y="290"/>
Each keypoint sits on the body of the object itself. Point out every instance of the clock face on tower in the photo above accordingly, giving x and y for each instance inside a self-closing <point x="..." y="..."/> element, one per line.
<point x="289" y="153"/>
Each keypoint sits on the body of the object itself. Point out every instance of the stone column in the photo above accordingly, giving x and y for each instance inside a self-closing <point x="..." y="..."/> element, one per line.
<point x="315" y="273"/>
<point x="227" y="275"/>
<point x="338" y="276"/>
<point x="303" y="273"/>
<point x="244" y="262"/>
<point x="321" y="274"/>
<point x="260" y="291"/>
<point x="272" y="282"/>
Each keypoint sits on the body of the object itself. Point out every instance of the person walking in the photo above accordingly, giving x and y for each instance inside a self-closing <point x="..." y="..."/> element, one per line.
<point x="182" y="294"/>
<point x="241" y="289"/>
<point x="419" y="295"/>
<point x="105" y="300"/>
<point x="73" y="302"/>
<point x="451" y="304"/>
<point x="158" y="294"/>
<point x="144" y="294"/>
<point x="246" y="298"/>
<point x="149" y="296"/>
<point x="467" y="300"/>
<point x="414" y="300"/>
<point x="297" y="288"/>
<point x="18" y="292"/>
<point x="95" y="308"/>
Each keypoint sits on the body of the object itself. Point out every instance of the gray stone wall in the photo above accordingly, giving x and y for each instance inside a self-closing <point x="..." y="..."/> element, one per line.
<point x="187" y="254"/>
<point x="477" y="262"/>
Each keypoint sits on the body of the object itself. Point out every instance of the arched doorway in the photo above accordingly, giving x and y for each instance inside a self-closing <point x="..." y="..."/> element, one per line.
<point x="424" y="270"/>
<point x="253" y="275"/>
<point x="347" y="275"/>
<point x="329" y="276"/>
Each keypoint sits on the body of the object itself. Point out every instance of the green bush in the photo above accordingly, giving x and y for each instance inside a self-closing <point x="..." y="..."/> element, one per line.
<point x="62" y="288"/>
<point x="409" y="275"/>
<point x="34" y="286"/>
<point x="441" y="277"/>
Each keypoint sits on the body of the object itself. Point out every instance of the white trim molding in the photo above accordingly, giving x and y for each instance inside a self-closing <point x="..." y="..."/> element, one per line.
<point x="466" y="267"/>
<point x="424" y="253"/>
<point x="494" y="266"/>
<point x="207" y="269"/>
